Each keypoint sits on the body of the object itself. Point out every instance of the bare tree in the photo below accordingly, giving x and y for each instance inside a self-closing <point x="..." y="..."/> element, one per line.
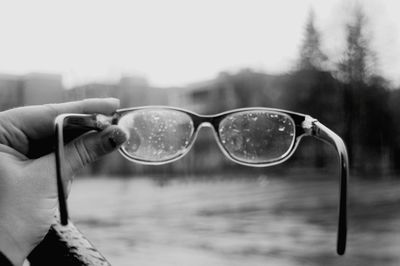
<point x="359" y="61"/>
<point x="311" y="55"/>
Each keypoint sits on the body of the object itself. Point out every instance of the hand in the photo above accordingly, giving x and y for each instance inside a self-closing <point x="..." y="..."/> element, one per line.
<point x="28" y="191"/>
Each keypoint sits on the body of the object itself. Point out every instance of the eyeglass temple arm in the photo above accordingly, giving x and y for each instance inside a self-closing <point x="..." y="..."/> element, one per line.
<point x="325" y="134"/>
<point x="86" y="121"/>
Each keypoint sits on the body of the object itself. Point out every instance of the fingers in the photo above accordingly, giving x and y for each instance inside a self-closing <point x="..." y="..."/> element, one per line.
<point x="87" y="106"/>
<point x="36" y="122"/>
<point x="91" y="146"/>
<point x="77" y="154"/>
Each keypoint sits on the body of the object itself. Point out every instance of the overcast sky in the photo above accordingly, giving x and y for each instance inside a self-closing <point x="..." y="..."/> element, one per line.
<point x="175" y="42"/>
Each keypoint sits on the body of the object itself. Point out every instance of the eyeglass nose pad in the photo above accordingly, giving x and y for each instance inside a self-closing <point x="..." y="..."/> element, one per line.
<point x="205" y="124"/>
<point x="103" y="121"/>
<point x="214" y="131"/>
<point x="201" y="125"/>
<point x="208" y="125"/>
<point x="198" y="127"/>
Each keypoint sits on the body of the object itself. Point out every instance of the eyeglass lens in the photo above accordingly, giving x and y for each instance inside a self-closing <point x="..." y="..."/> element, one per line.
<point x="156" y="135"/>
<point x="253" y="137"/>
<point x="257" y="136"/>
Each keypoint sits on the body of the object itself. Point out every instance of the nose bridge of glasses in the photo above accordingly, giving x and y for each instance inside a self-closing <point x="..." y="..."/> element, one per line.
<point x="205" y="124"/>
<point x="211" y="128"/>
<point x="205" y="121"/>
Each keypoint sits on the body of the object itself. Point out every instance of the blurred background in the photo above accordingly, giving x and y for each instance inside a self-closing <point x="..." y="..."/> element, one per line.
<point x="336" y="60"/>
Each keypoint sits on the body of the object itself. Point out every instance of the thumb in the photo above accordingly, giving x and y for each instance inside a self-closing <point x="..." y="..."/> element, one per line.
<point x="77" y="154"/>
<point x="91" y="146"/>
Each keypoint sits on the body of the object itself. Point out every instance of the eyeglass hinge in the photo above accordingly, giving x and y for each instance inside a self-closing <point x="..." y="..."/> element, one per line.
<point x="103" y="121"/>
<point x="309" y="126"/>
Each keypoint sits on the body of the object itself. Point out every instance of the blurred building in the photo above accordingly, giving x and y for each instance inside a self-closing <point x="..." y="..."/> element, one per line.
<point x="10" y="91"/>
<point x="92" y="90"/>
<point x="136" y="91"/>
<point x="34" y="88"/>
<point x="131" y="90"/>
<point x="41" y="88"/>
<point x="196" y="97"/>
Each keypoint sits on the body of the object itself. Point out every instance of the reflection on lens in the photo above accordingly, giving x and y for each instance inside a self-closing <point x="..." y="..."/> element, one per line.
<point x="257" y="137"/>
<point x="156" y="135"/>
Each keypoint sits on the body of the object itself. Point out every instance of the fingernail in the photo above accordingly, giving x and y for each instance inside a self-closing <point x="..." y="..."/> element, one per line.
<point x="117" y="137"/>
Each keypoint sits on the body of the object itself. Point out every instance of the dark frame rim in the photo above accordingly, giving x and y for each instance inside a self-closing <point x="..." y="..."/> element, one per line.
<point x="214" y="121"/>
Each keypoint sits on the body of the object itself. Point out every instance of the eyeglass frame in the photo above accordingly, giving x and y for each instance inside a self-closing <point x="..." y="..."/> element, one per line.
<point x="304" y="125"/>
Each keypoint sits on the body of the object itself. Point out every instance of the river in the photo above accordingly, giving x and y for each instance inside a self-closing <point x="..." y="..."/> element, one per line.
<point x="263" y="220"/>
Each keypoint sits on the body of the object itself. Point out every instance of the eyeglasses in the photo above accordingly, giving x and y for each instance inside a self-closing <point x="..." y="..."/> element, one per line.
<point x="257" y="137"/>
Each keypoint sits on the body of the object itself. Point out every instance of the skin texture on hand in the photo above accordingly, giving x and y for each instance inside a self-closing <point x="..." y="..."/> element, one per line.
<point x="28" y="192"/>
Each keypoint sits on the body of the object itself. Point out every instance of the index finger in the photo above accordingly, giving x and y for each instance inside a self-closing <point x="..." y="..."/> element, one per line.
<point x="37" y="121"/>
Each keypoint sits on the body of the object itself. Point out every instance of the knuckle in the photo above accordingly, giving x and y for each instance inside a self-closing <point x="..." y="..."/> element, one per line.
<point x="84" y="150"/>
<point x="51" y="109"/>
<point x="89" y="149"/>
<point x="84" y="155"/>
